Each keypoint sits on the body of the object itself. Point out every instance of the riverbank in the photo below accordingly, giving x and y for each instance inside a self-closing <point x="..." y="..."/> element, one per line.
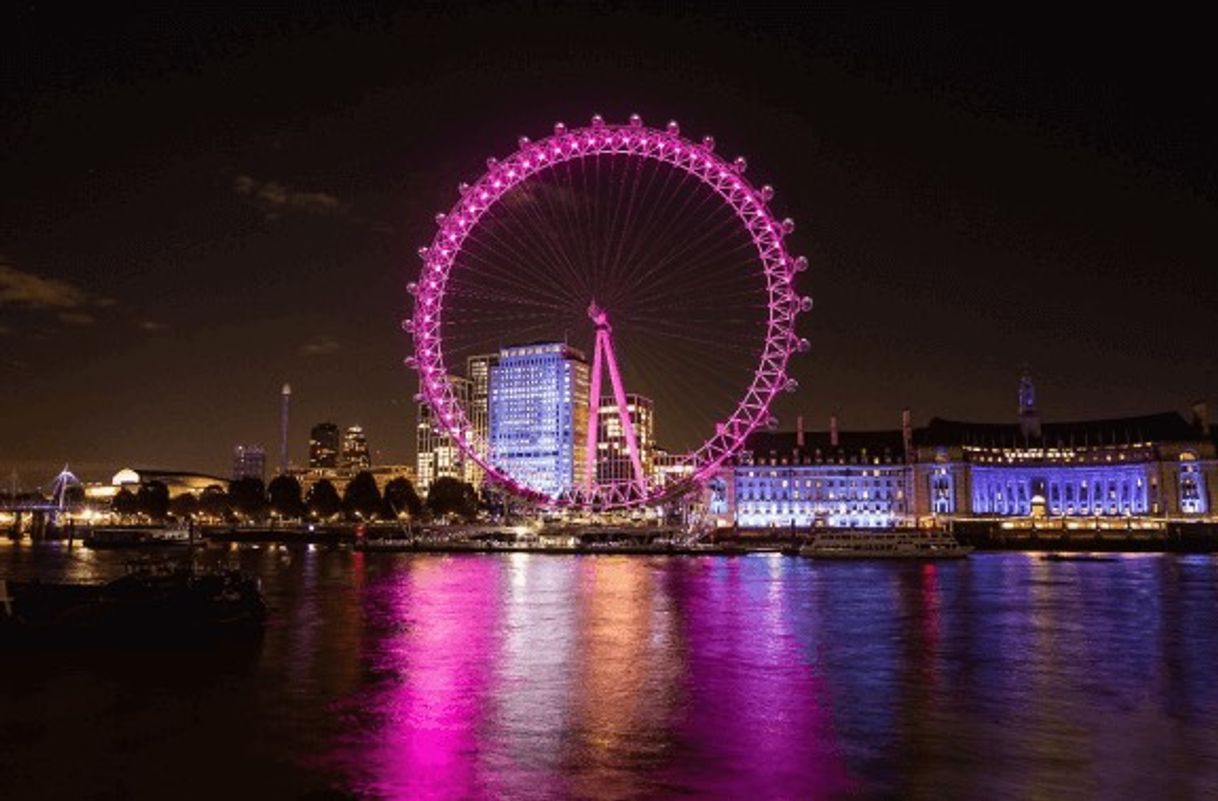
<point x="1200" y="538"/>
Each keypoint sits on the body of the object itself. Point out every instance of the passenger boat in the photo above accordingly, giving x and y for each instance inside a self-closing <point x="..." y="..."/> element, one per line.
<point x="139" y="537"/>
<point x="152" y="604"/>
<point x="885" y="544"/>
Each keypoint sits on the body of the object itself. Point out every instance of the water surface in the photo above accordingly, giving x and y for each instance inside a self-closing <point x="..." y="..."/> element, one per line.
<point x="604" y="677"/>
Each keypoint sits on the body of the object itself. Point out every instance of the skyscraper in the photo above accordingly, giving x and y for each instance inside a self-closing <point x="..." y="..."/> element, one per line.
<point x="538" y="414"/>
<point x="478" y="371"/>
<point x="438" y="455"/>
<point x="355" y="450"/>
<point x="323" y="447"/>
<point x="613" y="463"/>
<point x="249" y="461"/>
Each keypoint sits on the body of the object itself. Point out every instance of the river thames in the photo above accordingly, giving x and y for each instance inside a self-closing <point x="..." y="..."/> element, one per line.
<point x="517" y="676"/>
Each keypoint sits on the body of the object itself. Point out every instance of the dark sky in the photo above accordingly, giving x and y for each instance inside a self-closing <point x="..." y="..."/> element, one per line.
<point x="198" y="206"/>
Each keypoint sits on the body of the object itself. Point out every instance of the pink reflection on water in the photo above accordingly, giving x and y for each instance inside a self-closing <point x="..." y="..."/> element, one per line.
<point x="757" y="710"/>
<point x="595" y="678"/>
<point x="423" y="739"/>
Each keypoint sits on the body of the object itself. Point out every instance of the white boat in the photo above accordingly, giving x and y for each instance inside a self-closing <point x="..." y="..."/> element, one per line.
<point x="139" y="536"/>
<point x="885" y="544"/>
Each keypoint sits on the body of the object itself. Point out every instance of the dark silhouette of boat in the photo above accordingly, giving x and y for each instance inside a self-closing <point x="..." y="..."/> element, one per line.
<point x="153" y="604"/>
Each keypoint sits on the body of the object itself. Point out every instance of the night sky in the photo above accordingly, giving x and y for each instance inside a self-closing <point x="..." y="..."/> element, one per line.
<point x="200" y="206"/>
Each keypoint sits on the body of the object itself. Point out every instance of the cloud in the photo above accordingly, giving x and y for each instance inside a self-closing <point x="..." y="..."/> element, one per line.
<point x="151" y="326"/>
<point x="320" y="346"/>
<point x="276" y="199"/>
<point x="21" y="288"/>
<point x="76" y="318"/>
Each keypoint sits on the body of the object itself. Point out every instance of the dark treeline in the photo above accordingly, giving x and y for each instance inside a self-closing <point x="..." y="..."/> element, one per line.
<point x="249" y="500"/>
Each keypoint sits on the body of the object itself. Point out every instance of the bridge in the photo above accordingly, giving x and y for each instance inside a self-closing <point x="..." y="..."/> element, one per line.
<point x="60" y="500"/>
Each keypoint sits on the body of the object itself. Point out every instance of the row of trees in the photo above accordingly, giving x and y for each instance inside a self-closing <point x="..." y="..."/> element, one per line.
<point x="250" y="499"/>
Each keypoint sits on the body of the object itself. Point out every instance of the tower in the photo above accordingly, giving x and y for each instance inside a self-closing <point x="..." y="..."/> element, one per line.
<point x="478" y="373"/>
<point x="438" y="455"/>
<point x="603" y="353"/>
<point x="613" y="459"/>
<point x="355" y="456"/>
<point x="538" y="415"/>
<point x="284" y="406"/>
<point x="249" y="461"/>
<point x="324" y="444"/>
<point x="1029" y="417"/>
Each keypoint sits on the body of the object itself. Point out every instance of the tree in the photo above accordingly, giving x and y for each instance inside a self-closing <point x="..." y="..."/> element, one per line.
<point x="323" y="500"/>
<point x="153" y="500"/>
<point x="401" y="498"/>
<point x="448" y="496"/>
<point x="214" y="502"/>
<point x="124" y="503"/>
<point x="184" y="506"/>
<point x="285" y="497"/>
<point x="362" y="496"/>
<point x="248" y="497"/>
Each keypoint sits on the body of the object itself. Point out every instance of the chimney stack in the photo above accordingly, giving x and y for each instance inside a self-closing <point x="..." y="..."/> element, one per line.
<point x="907" y="433"/>
<point x="799" y="432"/>
<point x="1201" y="417"/>
<point x="833" y="430"/>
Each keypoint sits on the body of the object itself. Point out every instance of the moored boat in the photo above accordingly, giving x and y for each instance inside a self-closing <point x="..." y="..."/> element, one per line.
<point x="140" y="537"/>
<point x="150" y="605"/>
<point x="885" y="544"/>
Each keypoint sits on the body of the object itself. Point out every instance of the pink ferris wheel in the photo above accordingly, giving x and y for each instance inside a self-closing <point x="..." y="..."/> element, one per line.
<point x="647" y="250"/>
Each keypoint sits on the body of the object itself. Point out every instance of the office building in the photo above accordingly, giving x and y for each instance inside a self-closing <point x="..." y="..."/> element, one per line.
<point x="249" y="461"/>
<point x="538" y="413"/>
<point x="437" y="454"/>
<point x="354" y="454"/>
<point x="324" y="443"/>
<point x="478" y="371"/>
<point x="613" y="464"/>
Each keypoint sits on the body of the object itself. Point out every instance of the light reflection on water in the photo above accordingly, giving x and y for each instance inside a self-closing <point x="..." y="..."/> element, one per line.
<point x="530" y="676"/>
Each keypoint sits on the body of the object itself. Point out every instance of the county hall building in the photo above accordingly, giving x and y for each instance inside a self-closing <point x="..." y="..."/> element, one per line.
<point x="1153" y="467"/>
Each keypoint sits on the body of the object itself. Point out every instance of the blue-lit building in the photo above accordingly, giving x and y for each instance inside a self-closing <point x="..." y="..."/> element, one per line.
<point x="1158" y="466"/>
<point x="538" y="415"/>
<point x="821" y="479"/>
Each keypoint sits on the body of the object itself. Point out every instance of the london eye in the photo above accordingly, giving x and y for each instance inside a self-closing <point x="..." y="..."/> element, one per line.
<point x="648" y="261"/>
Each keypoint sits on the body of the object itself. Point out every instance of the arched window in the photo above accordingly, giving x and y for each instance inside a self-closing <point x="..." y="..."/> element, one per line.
<point x="1193" y="497"/>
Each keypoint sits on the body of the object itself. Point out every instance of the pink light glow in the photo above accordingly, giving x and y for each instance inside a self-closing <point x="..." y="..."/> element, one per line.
<point x="749" y="205"/>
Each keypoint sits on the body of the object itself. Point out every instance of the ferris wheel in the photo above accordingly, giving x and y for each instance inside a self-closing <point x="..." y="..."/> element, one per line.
<point x="646" y="249"/>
